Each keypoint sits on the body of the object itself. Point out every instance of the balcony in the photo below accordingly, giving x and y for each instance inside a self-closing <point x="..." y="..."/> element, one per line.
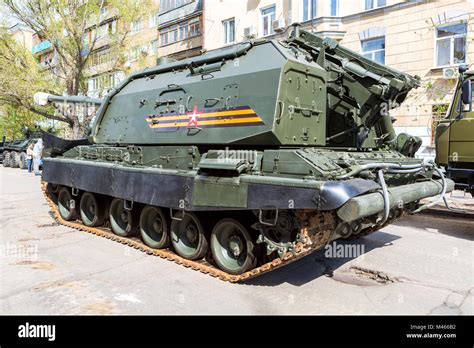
<point x="179" y="13"/>
<point x="42" y="46"/>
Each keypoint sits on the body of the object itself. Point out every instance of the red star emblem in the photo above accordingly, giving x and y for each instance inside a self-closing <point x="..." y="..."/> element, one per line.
<point x="193" y="117"/>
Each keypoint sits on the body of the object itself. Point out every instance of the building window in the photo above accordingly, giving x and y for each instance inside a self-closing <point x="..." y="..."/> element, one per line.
<point x="309" y="9"/>
<point x="229" y="31"/>
<point x="135" y="26"/>
<point x="154" y="19"/>
<point x="154" y="47"/>
<point x="371" y="4"/>
<point x="134" y="53"/>
<point x="374" y="49"/>
<point x="103" y="12"/>
<point x="268" y="16"/>
<point x="106" y="29"/>
<point x="179" y="32"/>
<point x="100" y="57"/>
<point x="334" y="8"/>
<point x="103" y="82"/>
<point x="168" y="5"/>
<point x="112" y="27"/>
<point x="194" y="28"/>
<point x="451" y="44"/>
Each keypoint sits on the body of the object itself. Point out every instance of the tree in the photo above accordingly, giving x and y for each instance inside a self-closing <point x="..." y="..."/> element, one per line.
<point x="73" y="28"/>
<point x="15" y="120"/>
<point x="19" y="76"/>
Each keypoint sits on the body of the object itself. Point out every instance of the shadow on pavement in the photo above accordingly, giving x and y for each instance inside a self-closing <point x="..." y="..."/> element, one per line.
<point x="439" y="224"/>
<point x="318" y="264"/>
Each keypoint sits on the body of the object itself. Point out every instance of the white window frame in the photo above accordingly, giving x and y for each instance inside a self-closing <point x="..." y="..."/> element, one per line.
<point x="262" y="20"/>
<point x="134" y="53"/>
<point x="154" y="19"/>
<point x="135" y="26"/>
<point x="226" y="31"/>
<point x="310" y="9"/>
<point x="104" y="11"/>
<point x="372" y="52"/>
<point x="451" y="46"/>
<point x="376" y="5"/>
<point x="337" y="9"/>
<point x="154" y="44"/>
<point x="113" y="27"/>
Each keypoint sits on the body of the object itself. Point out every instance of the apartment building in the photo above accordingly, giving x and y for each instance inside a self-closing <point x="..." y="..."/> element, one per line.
<point x="22" y="34"/>
<point x="44" y="53"/>
<point x="112" y="59"/>
<point x="425" y="38"/>
<point x="180" y="28"/>
<point x="173" y="30"/>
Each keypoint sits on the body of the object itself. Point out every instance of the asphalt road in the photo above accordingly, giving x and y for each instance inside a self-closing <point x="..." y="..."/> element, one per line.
<point x="420" y="265"/>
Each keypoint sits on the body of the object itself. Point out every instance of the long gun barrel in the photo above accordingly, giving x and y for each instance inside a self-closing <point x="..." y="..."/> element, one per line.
<point x="45" y="98"/>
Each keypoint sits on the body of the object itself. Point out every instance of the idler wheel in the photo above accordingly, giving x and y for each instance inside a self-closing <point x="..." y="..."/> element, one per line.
<point x="67" y="205"/>
<point x="123" y="222"/>
<point x="344" y="230"/>
<point x="92" y="209"/>
<point x="154" y="228"/>
<point x="232" y="247"/>
<point x="188" y="236"/>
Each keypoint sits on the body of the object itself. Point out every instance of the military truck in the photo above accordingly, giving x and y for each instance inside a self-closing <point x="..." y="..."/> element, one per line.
<point x="246" y="158"/>
<point x="14" y="153"/>
<point x="455" y="134"/>
<point x="2" y="147"/>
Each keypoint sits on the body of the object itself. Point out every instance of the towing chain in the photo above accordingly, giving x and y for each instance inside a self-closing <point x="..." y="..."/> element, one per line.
<point x="301" y="249"/>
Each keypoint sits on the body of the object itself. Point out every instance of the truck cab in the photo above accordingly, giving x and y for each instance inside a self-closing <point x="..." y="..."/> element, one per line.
<point x="455" y="134"/>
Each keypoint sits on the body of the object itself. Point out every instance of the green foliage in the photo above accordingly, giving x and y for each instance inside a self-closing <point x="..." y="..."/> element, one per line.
<point x="74" y="30"/>
<point x="15" y="119"/>
<point x="19" y="78"/>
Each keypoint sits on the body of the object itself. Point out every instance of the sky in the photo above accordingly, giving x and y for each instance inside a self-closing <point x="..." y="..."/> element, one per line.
<point x="5" y="17"/>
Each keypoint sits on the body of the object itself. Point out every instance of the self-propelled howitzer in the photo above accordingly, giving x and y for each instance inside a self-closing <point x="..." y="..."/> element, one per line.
<point x="246" y="158"/>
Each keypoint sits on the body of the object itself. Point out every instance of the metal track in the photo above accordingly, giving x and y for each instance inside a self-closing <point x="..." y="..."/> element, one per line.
<point x="318" y="230"/>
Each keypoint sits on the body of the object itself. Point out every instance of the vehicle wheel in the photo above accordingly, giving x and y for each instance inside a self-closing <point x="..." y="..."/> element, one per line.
<point x="22" y="163"/>
<point x="14" y="160"/>
<point x="92" y="209"/>
<point x="232" y="247"/>
<point x="123" y="222"/>
<point x="67" y="205"/>
<point x="188" y="237"/>
<point x="6" y="159"/>
<point x="154" y="228"/>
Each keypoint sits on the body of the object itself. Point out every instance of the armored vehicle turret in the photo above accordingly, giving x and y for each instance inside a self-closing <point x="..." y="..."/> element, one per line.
<point x="245" y="158"/>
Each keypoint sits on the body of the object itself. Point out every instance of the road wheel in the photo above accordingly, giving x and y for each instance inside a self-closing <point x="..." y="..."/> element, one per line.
<point x="154" y="228"/>
<point x="123" y="222"/>
<point x="232" y="247"/>
<point x="188" y="236"/>
<point x="92" y="209"/>
<point x="67" y="205"/>
<point x="6" y="159"/>
<point x="22" y="163"/>
<point x="14" y="160"/>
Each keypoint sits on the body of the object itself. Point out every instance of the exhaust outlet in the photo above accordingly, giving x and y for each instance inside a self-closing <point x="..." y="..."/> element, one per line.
<point x="373" y="203"/>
